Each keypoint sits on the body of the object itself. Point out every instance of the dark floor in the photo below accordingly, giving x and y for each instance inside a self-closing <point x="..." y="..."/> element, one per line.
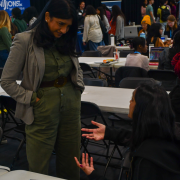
<point x="8" y="150"/>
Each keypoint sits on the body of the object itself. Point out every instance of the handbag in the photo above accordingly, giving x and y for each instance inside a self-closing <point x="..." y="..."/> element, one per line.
<point x="103" y="28"/>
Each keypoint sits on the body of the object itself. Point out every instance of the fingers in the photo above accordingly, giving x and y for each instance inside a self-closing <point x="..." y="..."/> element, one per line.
<point x="77" y="162"/>
<point x="91" y="162"/>
<point x="88" y="135"/>
<point x="83" y="159"/>
<point x="87" y="160"/>
<point x="96" y="124"/>
<point x="87" y="130"/>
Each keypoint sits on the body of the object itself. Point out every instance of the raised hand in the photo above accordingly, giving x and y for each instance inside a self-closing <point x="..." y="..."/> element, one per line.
<point x="85" y="166"/>
<point x="96" y="134"/>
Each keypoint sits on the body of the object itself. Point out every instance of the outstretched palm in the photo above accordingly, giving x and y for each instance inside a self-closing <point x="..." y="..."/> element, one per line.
<point x="95" y="134"/>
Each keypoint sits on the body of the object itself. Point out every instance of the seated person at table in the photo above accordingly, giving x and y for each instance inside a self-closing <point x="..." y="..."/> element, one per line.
<point x="172" y="27"/>
<point x="175" y="93"/>
<point x="137" y="59"/>
<point x="154" y="35"/>
<point x="92" y="35"/>
<point x="146" y="23"/>
<point x="168" y="54"/>
<point x="154" y="148"/>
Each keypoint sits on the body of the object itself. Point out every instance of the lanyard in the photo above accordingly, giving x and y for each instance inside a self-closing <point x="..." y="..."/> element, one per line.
<point x="170" y="34"/>
<point x="136" y="52"/>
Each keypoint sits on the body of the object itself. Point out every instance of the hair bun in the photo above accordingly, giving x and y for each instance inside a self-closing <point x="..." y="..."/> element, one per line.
<point x="176" y="64"/>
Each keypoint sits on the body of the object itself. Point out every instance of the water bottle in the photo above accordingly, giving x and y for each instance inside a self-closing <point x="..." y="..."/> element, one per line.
<point x="143" y="35"/>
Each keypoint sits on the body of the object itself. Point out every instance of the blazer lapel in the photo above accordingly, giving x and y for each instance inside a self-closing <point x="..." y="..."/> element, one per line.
<point x="75" y="61"/>
<point x="39" y="53"/>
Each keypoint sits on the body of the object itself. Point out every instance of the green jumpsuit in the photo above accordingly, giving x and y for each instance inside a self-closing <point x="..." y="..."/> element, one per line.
<point x="56" y="121"/>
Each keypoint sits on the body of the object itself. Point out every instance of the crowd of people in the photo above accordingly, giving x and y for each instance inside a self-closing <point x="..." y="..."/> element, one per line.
<point x="42" y="48"/>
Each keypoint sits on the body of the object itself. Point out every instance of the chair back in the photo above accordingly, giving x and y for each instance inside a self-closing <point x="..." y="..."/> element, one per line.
<point x="89" y="110"/>
<point x="107" y="51"/>
<point x="91" y="54"/>
<point x="168" y="78"/>
<point x="8" y="103"/>
<point x="129" y="71"/>
<point x="95" y="82"/>
<point x="134" y="82"/>
<point x="124" y="53"/>
<point x="86" y="68"/>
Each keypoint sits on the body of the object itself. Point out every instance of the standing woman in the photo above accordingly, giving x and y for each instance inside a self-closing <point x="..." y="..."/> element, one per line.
<point x="100" y="12"/>
<point x="5" y="37"/>
<point x="107" y="12"/>
<point x="117" y="22"/>
<point x="49" y="97"/>
<point x="92" y="34"/>
<point x="19" y="22"/>
<point x="143" y="8"/>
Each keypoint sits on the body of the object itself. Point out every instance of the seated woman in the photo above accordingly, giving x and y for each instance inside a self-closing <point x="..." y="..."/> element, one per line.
<point x="146" y="23"/>
<point x="172" y="27"/>
<point x="154" y="35"/>
<point x="155" y="150"/>
<point x="92" y="34"/>
<point x="137" y="59"/>
<point x="168" y="54"/>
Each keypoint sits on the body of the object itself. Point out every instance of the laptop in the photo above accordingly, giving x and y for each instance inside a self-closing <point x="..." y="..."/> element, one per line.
<point x="155" y="53"/>
<point x="130" y="32"/>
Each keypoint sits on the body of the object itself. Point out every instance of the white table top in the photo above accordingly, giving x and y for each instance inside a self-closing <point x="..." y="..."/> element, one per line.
<point x="123" y="47"/>
<point x="115" y="100"/>
<point x="91" y="61"/>
<point x="133" y="26"/>
<point x="26" y="175"/>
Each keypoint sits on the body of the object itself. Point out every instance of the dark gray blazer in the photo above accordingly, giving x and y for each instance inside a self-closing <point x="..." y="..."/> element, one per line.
<point x="29" y="59"/>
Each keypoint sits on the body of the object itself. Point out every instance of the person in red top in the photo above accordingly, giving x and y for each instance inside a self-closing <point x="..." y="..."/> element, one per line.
<point x="107" y="12"/>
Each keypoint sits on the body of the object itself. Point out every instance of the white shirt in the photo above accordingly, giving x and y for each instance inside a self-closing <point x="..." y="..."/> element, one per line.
<point x="92" y="29"/>
<point x="137" y="60"/>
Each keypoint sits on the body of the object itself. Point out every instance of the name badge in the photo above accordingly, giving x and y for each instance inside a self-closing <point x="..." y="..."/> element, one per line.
<point x="80" y="14"/>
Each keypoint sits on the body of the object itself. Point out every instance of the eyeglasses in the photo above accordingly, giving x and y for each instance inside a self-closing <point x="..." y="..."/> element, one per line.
<point x="170" y="23"/>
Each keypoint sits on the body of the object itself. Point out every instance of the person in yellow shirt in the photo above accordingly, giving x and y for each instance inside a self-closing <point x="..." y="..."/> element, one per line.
<point x="163" y="12"/>
<point x="145" y="23"/>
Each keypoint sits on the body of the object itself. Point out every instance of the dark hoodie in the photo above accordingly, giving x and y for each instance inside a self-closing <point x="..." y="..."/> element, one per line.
<point x="154" y="159"/>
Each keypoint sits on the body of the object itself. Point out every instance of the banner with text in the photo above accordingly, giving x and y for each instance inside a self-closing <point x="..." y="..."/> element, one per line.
<point x="110" y="4"/>
<point x="9" y="5"/>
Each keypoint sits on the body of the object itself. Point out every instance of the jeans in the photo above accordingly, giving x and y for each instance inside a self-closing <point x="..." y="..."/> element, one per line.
<point x="93" y="46"/>
<point x="164" y="24"/>
<point x="3" y="57"/>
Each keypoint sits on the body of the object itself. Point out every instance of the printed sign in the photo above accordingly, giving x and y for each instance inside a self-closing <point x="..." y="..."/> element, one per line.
<point x="9" y="5"/>
<point x="110" y="4"/>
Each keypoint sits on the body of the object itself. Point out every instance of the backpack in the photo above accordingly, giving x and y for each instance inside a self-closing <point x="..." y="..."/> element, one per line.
<point x="164" y="14"/>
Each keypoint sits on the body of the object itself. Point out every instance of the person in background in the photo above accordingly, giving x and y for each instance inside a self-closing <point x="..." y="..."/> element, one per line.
<point x="150" y="11"/>
<point x="173" y="8"/>
<point x="117" y="23"/>
<point x="81" y="13"/>
<point x="154" y="35"/>
<point x="92" y="35"/>
<point x="19" y="22"/>
<point x="137" y="59"/>
<point x="14" y="30"/>
<point x="168" y="54"/>
<point x="154" y="142"/>
<point x="143" y="8"/>
<point x="100" y="12"/>
<point x="166" y="4"/>
<point x="30" y="15"/>
<point x="163" y="13"/>
<point x="107" y="12"/>
<point x="172" y="27"/>
<point x="5" y="37"/>
<point x="145" y="23"/>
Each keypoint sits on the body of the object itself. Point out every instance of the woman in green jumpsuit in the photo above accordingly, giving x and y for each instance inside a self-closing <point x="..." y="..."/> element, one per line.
<point x="49" y="97"/>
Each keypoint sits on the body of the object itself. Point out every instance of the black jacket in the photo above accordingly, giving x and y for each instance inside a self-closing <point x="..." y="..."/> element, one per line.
<point x="164" y="61"/>
<point x="174" y="32"/>
<point x="80" y="17"/>
<point x="154" y="159"/>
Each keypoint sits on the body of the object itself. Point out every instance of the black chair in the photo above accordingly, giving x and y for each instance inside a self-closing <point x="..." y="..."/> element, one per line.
<point x="168" y="78"/>
<point x="95" y="82"/>
<point x="91" y="54"/>
<point x="88" y="71"/>
<point x="134" y="82"/>
<point x="129" y="71"/>
<point x="91" y="110"/>
<point x="10" y="105"/>
<point x="124" y="53"/>
<point x="1" y="134"/>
